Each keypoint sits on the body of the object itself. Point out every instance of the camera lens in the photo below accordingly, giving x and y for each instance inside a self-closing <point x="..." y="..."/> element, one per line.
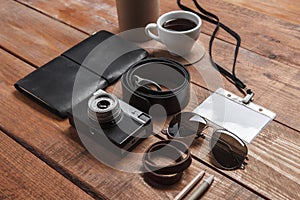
<point x="105" y="109"/>
<point x="103" y="104"/>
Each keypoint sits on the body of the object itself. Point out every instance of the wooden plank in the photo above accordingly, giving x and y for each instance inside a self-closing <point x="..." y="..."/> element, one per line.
<point x="24" y="176"/>
<point x="287" y="10"/>
<point x="89" y="16"/>
<point x="24" y="29"/>
<point x="58" y="145"/>
<point x="261" y="33"/>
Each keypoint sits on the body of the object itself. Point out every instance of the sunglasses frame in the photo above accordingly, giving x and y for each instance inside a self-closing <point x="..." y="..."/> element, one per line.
<point x="216" y="129"/>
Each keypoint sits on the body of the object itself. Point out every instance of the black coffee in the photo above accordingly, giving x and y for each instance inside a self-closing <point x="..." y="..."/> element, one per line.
<point x="179" y="24"/>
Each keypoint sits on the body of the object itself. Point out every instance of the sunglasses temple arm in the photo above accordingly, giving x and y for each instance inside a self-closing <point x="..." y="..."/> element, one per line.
<point x="200" y="133"/>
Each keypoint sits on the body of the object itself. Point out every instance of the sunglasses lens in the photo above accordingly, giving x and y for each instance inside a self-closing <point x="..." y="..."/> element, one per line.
<point x="185" y="124"/>
<point x="228" y="150"/>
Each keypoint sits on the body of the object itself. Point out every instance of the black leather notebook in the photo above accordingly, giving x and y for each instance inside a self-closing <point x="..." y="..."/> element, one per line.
<point x="94" y="63"/>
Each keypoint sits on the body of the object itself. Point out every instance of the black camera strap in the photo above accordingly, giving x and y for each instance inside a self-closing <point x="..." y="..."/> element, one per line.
<point x="212" y="18"/>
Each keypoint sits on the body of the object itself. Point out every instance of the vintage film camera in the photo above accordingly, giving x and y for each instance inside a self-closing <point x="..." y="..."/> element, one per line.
<point x="103" y="116"/>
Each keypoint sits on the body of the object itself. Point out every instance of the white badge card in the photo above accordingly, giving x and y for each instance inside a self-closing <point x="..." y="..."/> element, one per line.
<point x="228" y="111"/>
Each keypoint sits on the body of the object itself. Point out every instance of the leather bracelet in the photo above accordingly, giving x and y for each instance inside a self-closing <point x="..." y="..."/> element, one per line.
<point x="170" y="83"/>
<point x="171" y="173"/>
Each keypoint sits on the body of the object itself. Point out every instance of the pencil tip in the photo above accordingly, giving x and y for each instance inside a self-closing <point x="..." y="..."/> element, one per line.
<point x="210" y="179"/>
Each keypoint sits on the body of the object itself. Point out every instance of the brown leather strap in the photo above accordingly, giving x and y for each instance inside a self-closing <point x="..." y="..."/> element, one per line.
<point x="170" y="173"/>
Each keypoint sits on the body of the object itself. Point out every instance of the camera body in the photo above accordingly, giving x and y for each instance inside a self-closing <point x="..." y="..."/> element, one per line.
<point x="103" y="116"/>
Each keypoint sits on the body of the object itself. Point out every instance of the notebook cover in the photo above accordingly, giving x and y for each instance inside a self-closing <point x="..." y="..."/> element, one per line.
<point x="52" y="84"/>
<point x="109" y="58"/>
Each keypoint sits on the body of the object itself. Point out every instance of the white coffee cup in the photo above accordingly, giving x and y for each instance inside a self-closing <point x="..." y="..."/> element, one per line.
<point x="177" y="42"/>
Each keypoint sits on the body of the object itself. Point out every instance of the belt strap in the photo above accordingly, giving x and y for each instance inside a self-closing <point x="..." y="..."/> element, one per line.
<point x="157" y="81"/>
<point x="171" y="173"/>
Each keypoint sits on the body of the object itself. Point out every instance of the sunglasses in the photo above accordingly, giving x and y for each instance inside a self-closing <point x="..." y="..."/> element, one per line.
<point x="228" y="150"/>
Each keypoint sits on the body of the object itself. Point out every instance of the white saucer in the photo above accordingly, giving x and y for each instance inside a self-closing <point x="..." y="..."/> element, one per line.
<point x="197" y="53"/>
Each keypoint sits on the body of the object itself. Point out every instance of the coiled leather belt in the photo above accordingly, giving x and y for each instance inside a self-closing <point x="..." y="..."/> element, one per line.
<point x="157" y="81"/>
<point x="170" y="173"/>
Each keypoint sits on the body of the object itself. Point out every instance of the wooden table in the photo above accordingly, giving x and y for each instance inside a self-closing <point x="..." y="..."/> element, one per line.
<point x="41" y="156"/>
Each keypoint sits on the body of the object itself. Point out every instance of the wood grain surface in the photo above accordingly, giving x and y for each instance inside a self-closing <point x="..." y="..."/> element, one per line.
<point x="57" y="144"/>
<point x="23" y="28"/>
<point x="271" y="37"/>
<point x="287" y="10"/>
<point x="24" y="176"/>
<point x="35" y="31"/>
<point x="263" y="69"/>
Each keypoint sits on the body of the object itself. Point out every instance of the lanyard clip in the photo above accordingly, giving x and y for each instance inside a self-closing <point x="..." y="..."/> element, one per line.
<point x="249" y="97"/>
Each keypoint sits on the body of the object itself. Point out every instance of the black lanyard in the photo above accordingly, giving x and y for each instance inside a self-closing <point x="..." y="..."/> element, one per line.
<point x="212" y="18"/>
